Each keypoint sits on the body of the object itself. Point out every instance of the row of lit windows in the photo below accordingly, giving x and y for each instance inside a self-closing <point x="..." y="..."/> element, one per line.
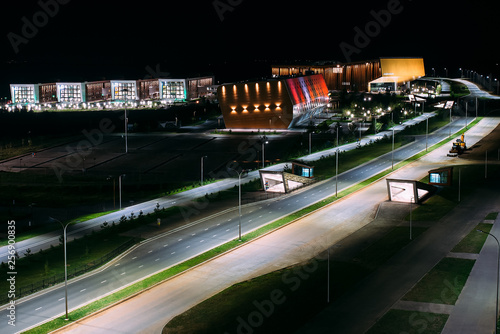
<point x="173" y="90"/>
<point x="124" y="91"/>
<point x="23" y="94"/>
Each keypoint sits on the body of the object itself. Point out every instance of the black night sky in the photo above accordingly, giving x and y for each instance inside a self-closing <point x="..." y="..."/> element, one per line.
<point x="92" y="40"/>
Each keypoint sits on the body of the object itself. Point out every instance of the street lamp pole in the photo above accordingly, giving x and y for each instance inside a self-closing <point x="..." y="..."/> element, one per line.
<point x="426" y="132"/>
<point x="239" y="199"/>
<point x="393" y="147"/>
<point x="264" y="141"/>
<point x="120" y="189"/>
<point x="411" y="201"/>
<point x="202" y="158"/>
<point x="64" y="226"/>
<point x="125" y="90"/>
<point x="498" y="270"/>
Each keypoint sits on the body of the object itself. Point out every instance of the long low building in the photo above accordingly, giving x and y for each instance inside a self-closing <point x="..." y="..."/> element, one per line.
<point x="165" y="90"/>
<point x="383" y="74"/>
<point x="271" y="104"/>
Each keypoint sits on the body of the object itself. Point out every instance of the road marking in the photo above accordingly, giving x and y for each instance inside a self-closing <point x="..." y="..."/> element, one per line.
<point x="249" y="220"/>
<point x="123" y="273"/>
<point x="103" y="282"/>
<point x="135" y="257"/>
<point x="172" y="253"/>
<point x="83" y="290"/>
<point x="188" y="246"/>
<point x="218" y="224"/>
<point x="180" y="239"/>
<point x="270" y="212"/>
<point x="60" y="299"/>
<point x="157" y="259"/>
<point x="38" y="308"/>
<point x="206" y="229"/>
<point x="229" y="219"/>
<point x="165" y="245"/>
<point x="228" y="230"/>
<point x="214" y="235"/>
<point x="116" y="265"/>
<point x="193" y="234"/>
<point x="150" y="251"/>
<point x="260" y="216"/>
<point x="202" y="240"/>
<point x="141" y="266"/>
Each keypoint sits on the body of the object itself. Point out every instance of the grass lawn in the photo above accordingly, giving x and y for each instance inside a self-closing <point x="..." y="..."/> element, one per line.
<point x="474" y="241"/>
<point x="410" y="322"/>
<point x="443" y="283"/>
<point x="43" y="265"/>
<point x="299" y="291"/>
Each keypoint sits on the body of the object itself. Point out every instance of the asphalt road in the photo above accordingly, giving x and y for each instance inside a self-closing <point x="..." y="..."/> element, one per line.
<point x="299" y="241"/>
<point x="77" y="231"/>
<point x="178" y="245"/>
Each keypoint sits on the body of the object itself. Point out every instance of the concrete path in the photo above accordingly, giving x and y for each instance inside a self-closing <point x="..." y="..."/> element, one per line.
<point x="300" y="241"/>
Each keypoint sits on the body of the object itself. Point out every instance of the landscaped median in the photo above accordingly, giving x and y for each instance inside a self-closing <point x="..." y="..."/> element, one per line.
<point x="436" y="292"/>
<point x="151" y="281"/>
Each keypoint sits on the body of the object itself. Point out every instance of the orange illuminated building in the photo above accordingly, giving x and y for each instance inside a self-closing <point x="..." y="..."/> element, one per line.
<point x="372" y="75"/>
<point x="272" y="104"/>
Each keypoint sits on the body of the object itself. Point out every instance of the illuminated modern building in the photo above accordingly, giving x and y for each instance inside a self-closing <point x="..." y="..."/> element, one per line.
<point x="165" y="91"/>
<point x="71" y="92"/>
<point x="27" y="93"/>
<point x="372" y="75"/>
<point x="124" y="90"/>
<point x="272" y="104"/>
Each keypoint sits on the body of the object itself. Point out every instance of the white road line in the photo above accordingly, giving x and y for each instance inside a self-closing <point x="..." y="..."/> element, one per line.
<point x="165" y="245"/>
<point x="193" y="234"/>
<point x="38" y="308"/>
<point x="141" y="266"/>
<point x="228" y="230"/>
<point x="135" y="257"/>
<point x="172" y="253"/>
<point x="214" y="235"/>
<point x="116" y="265"/>
<point x="250" y="220"/>
<point x="83" y="290"/>
<point x="150" y="251"/>
<point x="202" y="240"/>
<point x="123" y="273"/>
<point x="180" y="239"/>
<point x="157" y="259"/>
<point x="206" y="229"/>
<point x="260" y="216"/>
<point x="188" y="246"/>
<point x="60" y="299"/>
<point x="103" y="282"/>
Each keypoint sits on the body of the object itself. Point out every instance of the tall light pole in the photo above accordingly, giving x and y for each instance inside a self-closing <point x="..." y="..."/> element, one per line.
<point x="426" y="132"/>
<point x="264" y="142"/>
<point x="498" y="270"/>
<point x="64" y="226"/>
<point x="239" y="199"/>
<point x="411" y="201"/>
<point x="337" y="162"/>
<point x="120" y="188"/>
<point x="393" y="147"/>
<point x="202" y="158"/>
<point x="125" y="90"/>
<point x="450" y="122"/>
<point x="466" y="107"/>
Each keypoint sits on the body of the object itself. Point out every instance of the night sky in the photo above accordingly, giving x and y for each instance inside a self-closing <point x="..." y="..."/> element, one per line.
<point x="93" y="40"/>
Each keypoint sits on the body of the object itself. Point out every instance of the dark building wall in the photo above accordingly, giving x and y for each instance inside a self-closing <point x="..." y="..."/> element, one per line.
<point x="98" y="90"/>
<point x="148" y="89"/>
<point x="48" y="93"/>
<point x="351" y="76"/>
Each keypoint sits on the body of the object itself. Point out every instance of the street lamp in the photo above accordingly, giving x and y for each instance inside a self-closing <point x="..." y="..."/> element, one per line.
<point x="239" y="199"/>
<point x="120" y="188"/>
<point x="124" y="91"/>
<point x="426" y="132"/>
<point x="337" y="161"/>
<point x="202" y="158"/>
<point x="64" y="226"/>
<point x="393" y="147"/>
<point x="264" y="141"/>
<point x="498" y="269"/>
<point x="411" y="201"/>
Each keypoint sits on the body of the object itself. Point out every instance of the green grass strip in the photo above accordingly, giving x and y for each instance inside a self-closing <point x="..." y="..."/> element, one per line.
<point x="168" y="273"/>
<point x="411" y="322"/>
